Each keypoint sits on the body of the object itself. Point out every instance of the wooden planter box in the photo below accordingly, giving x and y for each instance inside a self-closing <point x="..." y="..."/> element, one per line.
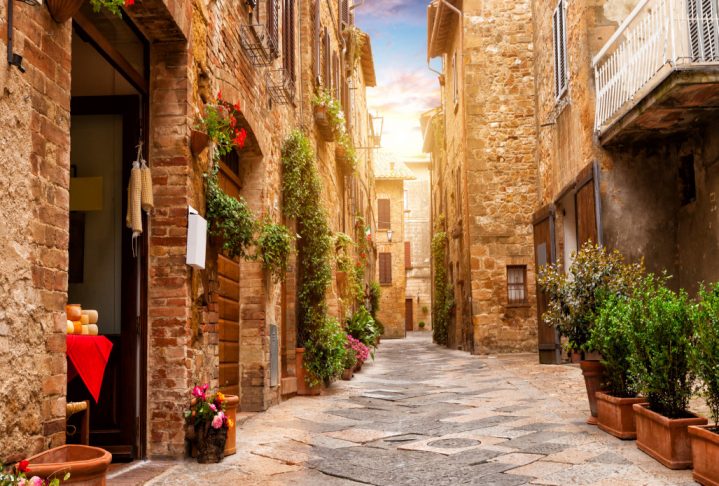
<point x="322" y="120"/>
<point x="615" y="416"/>
<point x="665" y="439"/>
<point x="705" y="454"/>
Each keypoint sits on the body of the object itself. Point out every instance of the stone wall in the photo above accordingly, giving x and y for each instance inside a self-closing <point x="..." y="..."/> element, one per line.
<point x="417" y="228"/>
<point x="391" y="309"/>
<point x="35" y="162"/>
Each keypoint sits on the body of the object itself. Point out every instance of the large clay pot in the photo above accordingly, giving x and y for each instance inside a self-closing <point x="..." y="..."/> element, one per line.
<point x="62" y="10"/>
<point x="616" y="416"/>
<point x="358" y="366"/>
<point x="347" y="374"/>
<point x="665" y="439"/>
<point x="198" y="142"/>
<point x="593" y="372"/>
<point x="87" y="465"/>
<point x="231" y="404"/>
<point x="210" y="443"/>
<point x="303" y="388"/>
<point x="705" y="454"/>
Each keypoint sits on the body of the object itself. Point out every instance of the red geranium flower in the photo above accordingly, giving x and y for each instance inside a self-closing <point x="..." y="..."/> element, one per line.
<point x="22" y="466"/>
<point x="219" y="95"/>
<point x="129" y="3"/>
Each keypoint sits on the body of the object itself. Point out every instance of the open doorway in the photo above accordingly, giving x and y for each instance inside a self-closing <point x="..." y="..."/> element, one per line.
<point x="107" y="271"/>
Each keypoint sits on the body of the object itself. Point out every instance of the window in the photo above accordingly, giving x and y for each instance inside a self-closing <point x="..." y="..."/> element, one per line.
<point x="517" y="284"/>
<point x="288" y="39"/>
<point x="687" y="180"/>
<point x="317" y="45"/>
<point x="407" y="254"/>
<point x="273" y="25"/>
<point x="326" y="46"/>
<point x="384" y="217"/>
<point x="559" y="33"/>
<point x="385" y="268"/>
<point x="455" y="80"/>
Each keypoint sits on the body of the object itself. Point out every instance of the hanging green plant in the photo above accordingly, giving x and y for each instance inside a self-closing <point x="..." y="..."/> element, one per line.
<point x="113" y="6"/>
<point x="229" y="219"/>
<point x="344" y="246"/>
<point x="335" y="115"/>
<point x="275" y="246"/>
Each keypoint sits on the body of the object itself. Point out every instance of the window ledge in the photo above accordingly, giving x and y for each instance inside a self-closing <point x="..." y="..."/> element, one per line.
<point x="519" y="306"/>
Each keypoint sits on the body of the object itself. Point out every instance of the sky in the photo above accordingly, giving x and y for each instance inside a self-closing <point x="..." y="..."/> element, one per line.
<point x="405" y="86"/>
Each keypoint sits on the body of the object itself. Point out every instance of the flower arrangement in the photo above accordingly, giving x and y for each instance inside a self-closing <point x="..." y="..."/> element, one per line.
<point x="361" y="351"/>
<point x="220" y="122"/>
<point x="17" y="476"/>
<point x="207" y="408"/>
<point x="113" y="6"/>
<point x="335" y="115"/>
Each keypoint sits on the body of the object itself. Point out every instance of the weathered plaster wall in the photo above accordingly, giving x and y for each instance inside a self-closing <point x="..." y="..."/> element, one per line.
<point x="417" y="230"/>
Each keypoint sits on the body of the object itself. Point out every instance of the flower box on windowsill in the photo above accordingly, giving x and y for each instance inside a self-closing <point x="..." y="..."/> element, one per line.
<point x="322" y="120"/>
<point x="343" y="159"/>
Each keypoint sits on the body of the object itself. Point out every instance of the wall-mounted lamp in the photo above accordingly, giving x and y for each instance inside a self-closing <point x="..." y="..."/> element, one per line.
<point x="12" y="58"/>
<point x="377" y="127"/>
<point x="389" y="235"/>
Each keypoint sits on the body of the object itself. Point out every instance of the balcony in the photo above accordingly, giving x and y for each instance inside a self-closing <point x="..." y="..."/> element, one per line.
<point x="659" y="73"/>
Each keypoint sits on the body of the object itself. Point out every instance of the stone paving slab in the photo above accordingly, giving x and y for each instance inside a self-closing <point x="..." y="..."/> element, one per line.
<point x="448" y="419"/>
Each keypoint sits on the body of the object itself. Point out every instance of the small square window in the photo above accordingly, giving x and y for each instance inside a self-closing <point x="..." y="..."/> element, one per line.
<point x="517" y="284"/>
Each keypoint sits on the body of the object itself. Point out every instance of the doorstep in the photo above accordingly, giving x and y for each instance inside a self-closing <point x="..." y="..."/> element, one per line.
<point x="138" y="472"/>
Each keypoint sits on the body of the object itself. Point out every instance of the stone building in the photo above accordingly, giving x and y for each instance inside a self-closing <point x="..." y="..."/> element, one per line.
<point x="418" y="236"/>
<point x="74" y="109"/>
<point x="482" y="140"/>
<point x="627" y="153"/>
<point x="390" y="176"/>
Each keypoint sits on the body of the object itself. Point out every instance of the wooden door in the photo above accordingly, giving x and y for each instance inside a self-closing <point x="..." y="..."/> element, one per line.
<point x="544" y="253"/>
<point x="408" y="315"/>
<point x="228" y="274"/>
<point x="586" y="214"/>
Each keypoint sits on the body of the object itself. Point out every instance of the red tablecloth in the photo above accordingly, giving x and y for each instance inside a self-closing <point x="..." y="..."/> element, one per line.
<point x="87" y="357"/>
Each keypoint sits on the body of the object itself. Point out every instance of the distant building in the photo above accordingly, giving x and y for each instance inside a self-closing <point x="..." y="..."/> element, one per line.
<point x="390" y="176"/>
<point x="417" y="241"/>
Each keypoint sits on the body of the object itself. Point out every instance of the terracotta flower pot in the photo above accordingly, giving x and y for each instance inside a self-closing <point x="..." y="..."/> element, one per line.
<point x="593" y="372"/>
<point x="231" y="403"/>
<point x="87" y="465"/>
<point x="62" y="10"/>
<point x="665" y="439"/>
<point x="347" y="374"/>
<point x="705" y="454"/>
<point x="615" y="415"/>
<point x="358" y="366"/>
<point x="303" y="388"/>
<point x="210" y="443"/>
<point x="198" y="142"/>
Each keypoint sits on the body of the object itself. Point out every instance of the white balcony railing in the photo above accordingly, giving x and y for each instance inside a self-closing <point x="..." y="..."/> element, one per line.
<point x="658" y="37"/>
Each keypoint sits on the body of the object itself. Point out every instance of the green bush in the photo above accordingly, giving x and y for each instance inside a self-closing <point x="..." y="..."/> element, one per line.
<point x="706" y="356"/>
<point x="662" y="342"/>
<point x="363" y="327"/>
<point x="229" y="219"/>
<point x="572" y="306"/>
<point x="443" y="304"/>
<point x="610" y="336"/>
<point x="375" y="293"/>
<point x="422" y="324"/>
<point x="326" y="352"/>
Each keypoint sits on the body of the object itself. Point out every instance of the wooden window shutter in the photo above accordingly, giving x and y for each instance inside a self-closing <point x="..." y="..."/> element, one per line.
<point x="384" y="216"/>
<point x="317" y="43"/>
<point x="407" y="254"/>
<point x="586" y="214"/>
<point x="327" y="80"/>
<point x="344" y="18"/>
<point x="559" y="34"/>
<point x="288" y="38"/>
<point x="273" y="24"/>
<point x="385" y="268"/>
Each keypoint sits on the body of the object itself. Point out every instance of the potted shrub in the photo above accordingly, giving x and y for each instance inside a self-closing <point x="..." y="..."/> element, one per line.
<point x="421" y="325"/>
<point x="573" y="304"/>
<point x="208" y="424"/>
<point x="610" y="337"/>
<point x="661" y="344"/>
<point x="359" y="350"/>
<point x="705" y="439"/>
<point x="363" y="327"/>
<point x="324" y="356"/>
<point x="350" y="359"/>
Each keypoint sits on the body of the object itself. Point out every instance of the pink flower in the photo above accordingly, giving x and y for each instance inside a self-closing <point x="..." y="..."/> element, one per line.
<point x="213" y="407"/>
<point x="218" y="421"/>
<point x="198" y="392"/>
<point x="35" y="481"/>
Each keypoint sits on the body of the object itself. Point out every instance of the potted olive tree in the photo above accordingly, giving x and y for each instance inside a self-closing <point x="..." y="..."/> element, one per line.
<point x="705" y="439"/>
<point x="573" y="304"/>
<point x="610" y="337"/>
<point x="661" y="344"/>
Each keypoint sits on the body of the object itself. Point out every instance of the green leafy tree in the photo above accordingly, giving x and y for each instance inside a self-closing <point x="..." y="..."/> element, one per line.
<point x="707" y="347"/>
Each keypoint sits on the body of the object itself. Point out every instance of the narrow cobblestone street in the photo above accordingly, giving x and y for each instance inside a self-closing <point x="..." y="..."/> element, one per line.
<point x="421" y="414"/>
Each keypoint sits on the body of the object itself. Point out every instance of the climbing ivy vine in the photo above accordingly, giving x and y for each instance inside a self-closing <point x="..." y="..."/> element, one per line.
<point x="443" y="292"/>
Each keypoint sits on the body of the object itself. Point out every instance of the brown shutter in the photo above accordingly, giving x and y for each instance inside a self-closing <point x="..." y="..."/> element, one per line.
<point x="586" y="214"/>
<point x="273" y="10"/>
<point x="327" y="81"/>
<point x="288" y="38"/>
<point x="384" y="217"/>
<point x="385" y="268"/>
<point x="344" y="19"/>
<point x="407" y="254"/>
<point x="316" y="49"/>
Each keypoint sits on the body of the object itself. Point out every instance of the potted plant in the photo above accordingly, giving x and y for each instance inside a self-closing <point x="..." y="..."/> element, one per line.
<point x="421" y="325"/>
<point x="62" y="10"/>
<point x="705" y="439"/>
<point x="350" y="358"/>
<point x="610" y="337"/>
<point x="324" y="356"/>
<point x="208" y="424"/>
<point x="23" y="473"/>
<point x="329" y="117"/>
<point x="363" y="327"/>
<point x="573" y="304"/>
<point x="359" y="350"/>
<point x="661" y="344"/>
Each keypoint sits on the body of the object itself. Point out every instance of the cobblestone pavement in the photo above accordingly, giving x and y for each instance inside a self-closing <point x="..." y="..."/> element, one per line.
<point x="424" y="415"/>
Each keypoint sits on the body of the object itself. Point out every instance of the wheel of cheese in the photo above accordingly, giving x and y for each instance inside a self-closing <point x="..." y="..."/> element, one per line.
<point x="70" y="327"/>
<point x="77" y="327"/>
<point x="92" y="315"/>
<point x="92" y="329"/>
<point x="85" y="330"/>
<point x="85" y="319"/>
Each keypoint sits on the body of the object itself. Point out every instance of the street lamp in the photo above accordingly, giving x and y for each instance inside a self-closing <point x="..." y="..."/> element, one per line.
<point x="377" y="126"/>
<point x="389" y="235"/>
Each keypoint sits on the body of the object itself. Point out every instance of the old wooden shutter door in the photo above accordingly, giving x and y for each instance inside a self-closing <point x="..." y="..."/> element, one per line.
<point x="385" y="268"/>
<point x="317" y="56"/>
<point x="384" y="218"/>
<point x="291" y="39"/>
<point x="328" y="68"/>
<point x="586" y="214"/>
<point x="407" y="254"/>
<point x="547" y="337"/>
<point x="273" y="24"/>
